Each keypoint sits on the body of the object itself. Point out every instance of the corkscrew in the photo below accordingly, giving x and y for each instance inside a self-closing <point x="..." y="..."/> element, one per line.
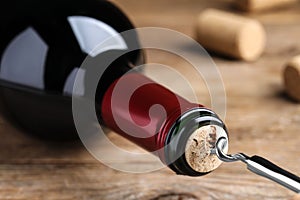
<point x="259" y="166"/>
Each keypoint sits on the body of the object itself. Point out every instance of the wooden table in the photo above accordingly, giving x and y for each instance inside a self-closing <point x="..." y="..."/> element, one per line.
<point x="260" y="118"/>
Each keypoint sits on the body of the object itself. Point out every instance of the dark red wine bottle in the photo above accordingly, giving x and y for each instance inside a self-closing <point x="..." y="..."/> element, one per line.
<point x="42" y="46"/>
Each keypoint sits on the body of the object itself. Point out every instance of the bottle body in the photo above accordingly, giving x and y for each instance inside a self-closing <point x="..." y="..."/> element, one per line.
<point x="42" y="47"/>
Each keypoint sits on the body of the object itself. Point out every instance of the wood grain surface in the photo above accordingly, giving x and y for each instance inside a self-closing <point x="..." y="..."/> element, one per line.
<point x="260" y="118"/>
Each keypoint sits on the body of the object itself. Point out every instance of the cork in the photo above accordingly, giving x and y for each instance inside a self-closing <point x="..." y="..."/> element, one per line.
<point x="259" y="5"/>
<point x="291" y="77"/>
<point x="230" y="34"/>
<point x="198" y="148"/>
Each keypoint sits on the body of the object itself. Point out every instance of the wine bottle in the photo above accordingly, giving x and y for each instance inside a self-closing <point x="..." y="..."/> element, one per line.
<point x="43" y="44"/>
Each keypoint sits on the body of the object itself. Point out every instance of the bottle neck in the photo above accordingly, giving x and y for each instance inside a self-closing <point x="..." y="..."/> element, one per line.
<point x="138" y="108"/>
<point x="154" y="118"/>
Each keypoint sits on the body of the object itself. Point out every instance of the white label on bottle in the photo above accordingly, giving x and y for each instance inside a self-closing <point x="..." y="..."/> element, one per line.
<point x="94" y="36"/>
<point x="23" y="60"/>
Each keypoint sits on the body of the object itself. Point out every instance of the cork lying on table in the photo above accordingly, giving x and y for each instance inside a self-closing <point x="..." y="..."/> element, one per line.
<point x="258" y="5"/>
<point x="230" y="34"/>
<point x="291" y="77"/>
<point x="199" y="146"/>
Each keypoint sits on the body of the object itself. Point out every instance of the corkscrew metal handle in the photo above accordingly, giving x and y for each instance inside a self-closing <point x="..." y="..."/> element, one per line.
<point x="260" y="166"/>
